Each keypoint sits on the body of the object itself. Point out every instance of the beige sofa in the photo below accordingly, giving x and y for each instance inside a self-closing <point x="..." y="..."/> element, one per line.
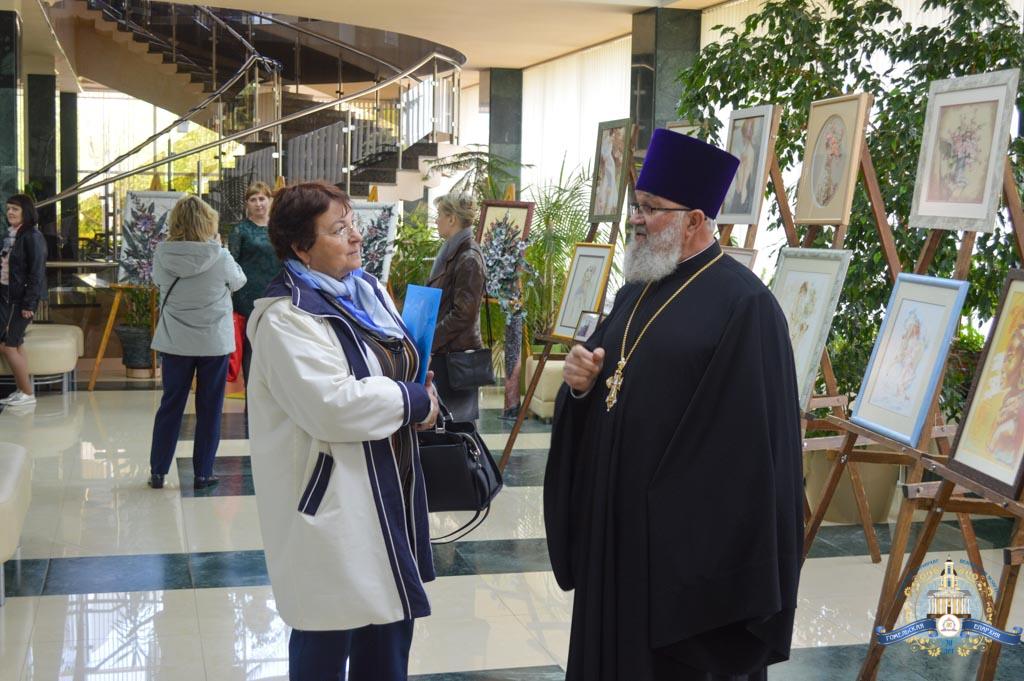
<point x="15" y="495"/>
<point x="543" y="403"/>
<point x="53" y="351"/>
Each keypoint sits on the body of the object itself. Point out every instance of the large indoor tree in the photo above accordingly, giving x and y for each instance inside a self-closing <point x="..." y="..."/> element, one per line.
<point x="792" y="52"/>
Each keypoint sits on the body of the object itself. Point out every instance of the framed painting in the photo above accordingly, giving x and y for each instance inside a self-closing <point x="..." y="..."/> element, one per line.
<point x="585" y="327"/>
<point x="745" y="256"/>
<point x="683" y="127"/>
<point x="512" y="215"/>
<point x="143" y="226"/>
<point x="808" y="283"/>
<point x="835" y="134"/>
<point x="378" y="223"/>
<point x="752" y="135"/>
<point x="963" y="152"/>
<point x="989" y="445"/>
<point x="611" y="166"/>
<point x="584" y="287"/>
<point x="909" y="355"/>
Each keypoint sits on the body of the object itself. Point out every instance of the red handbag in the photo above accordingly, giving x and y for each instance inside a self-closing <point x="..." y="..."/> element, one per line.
<point x="235" y="360"/>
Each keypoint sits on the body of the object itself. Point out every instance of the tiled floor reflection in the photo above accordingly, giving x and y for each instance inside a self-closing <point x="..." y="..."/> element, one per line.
<point x="118" y="581"/>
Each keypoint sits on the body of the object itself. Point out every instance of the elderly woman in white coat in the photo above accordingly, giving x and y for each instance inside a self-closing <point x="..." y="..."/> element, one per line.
<point x="194" y="333"/>
<point x="333" y="405"/>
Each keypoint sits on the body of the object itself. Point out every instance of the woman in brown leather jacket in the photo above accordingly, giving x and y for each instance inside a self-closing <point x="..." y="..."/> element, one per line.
<point x="459" y="272"/>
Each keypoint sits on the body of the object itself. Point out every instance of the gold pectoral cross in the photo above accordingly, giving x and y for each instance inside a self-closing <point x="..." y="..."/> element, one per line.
<point x="614" y="384"/>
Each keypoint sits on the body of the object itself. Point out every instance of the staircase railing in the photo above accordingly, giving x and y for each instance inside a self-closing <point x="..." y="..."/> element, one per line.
<point x="333" y="103"/>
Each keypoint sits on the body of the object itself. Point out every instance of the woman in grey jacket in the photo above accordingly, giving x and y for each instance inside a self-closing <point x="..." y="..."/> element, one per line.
<point x="195" y="334"/>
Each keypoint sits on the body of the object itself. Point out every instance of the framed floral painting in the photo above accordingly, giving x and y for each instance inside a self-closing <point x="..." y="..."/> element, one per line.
<point x="989" y="446"/>
<point x="963" y="152"/>
<point x="909" y="356"/>
<point x="584" y="287"/>
<point x="752" y="135"/>
<point x="612" y="160"/>
<point x="835" y="135"/>
<point x="378" y="223"/>
<point x="143" y="226"/>
<point x="683" y="127"/>
<point x="808" y="283"/>
<point x="513" y="216"/>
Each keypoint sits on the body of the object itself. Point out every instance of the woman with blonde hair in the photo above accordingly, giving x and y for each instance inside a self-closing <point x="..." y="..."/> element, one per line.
<point x="460" y="274"/>
<point x="250" y="245"/>
<point x="194" y="333"/>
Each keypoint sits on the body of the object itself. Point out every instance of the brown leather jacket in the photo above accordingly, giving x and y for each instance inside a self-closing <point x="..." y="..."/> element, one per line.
<point x="462" y="290"/>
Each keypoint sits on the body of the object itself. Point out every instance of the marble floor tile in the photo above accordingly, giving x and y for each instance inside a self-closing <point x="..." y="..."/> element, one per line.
<point x="234" y="472"/>
<point x="466" y="597"/>
<point x="125" y="616"/>
<point x="516" y="513"/>
<point x="237" y="611"/>
<point x="496" y="442"/>
<point x="108" y="574"/>
<point x="228" y="568"/>
<point x="17" y="617"/>
<point x="247" y="656"/>
<point x="525" y="468"/>
<point x="25" y="577"/>
<point x="221" y="524"/>
<point x="233" y="426"/>
<point x="174" y="658"/>
<point x="502" y="555"/>
<point x="551" y="627"/>
<point x="490" y="421"/>
<point x="12" y="659"/>
<point x="441" y="645"/>
<point x="527" y="593"/>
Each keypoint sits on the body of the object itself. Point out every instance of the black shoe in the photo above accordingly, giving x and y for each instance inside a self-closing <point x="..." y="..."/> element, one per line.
<point x="203" y="483"/>
<point x="156" y="481"/>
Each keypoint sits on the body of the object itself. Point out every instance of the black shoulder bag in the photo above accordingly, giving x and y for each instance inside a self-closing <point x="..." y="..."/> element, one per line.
<point x="459" y="472"/>
<point x="471" y="369"/>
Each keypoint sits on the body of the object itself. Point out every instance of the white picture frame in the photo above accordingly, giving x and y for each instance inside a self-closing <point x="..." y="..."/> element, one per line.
<point x="967" y="131"/>
<point x="745" y="256"/>
<point x="378" y="223"/>
<point x="751" y="138"/>
<point x="909" y="355"/>
<point x="146" y="223"/>
<point x="584" y="287"/>
<point x="585" y="327"/>
<point x="808" y="284"/>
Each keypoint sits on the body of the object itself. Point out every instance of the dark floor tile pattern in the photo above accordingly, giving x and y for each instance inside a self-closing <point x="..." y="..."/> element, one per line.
<point x="848" y="540"/>
<point x="25" y="577"/>
<point x="899" y="663"/>
<point x="551" y="673"/>
<point x="525" y="468"/>
<point x="233" y="426"/>
<point x="490" y="421"/>
<point x="234" y="472"/>
<point x="228" y="568"/>
<point x="143" y="384"/>
<point x="103" y="574"/>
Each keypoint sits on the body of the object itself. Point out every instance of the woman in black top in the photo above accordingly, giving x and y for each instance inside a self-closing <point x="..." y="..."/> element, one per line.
<point x="22" y="286"/>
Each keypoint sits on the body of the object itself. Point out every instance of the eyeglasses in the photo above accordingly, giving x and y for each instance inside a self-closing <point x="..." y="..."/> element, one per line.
<point x="345" y="232"/>
<point x="648" y="211"/>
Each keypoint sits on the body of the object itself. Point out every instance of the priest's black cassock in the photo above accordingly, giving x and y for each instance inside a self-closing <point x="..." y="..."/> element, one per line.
<point x="677" y="517"/>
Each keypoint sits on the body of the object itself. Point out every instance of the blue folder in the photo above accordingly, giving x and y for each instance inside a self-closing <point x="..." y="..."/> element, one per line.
<point x="420" y="317"/>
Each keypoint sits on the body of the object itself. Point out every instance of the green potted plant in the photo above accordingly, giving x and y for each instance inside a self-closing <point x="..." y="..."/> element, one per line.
<point x="134" y="331"/>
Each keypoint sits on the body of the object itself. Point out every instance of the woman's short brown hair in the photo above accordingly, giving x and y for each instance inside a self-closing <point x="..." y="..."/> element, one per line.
<point x="192" y="219"/>
<point x="259" y="188"/>
<point x="294" y="212"/>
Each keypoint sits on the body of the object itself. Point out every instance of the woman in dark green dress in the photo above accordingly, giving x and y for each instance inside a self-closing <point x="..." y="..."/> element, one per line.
<point x="250" y="246"/>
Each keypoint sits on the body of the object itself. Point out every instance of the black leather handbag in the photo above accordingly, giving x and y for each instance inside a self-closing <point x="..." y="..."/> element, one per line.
<point x="469" y="369"/>
<point x="459" y="472"/>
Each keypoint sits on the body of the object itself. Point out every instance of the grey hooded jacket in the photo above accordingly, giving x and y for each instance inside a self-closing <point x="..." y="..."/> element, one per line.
<point x="196" y="317"/>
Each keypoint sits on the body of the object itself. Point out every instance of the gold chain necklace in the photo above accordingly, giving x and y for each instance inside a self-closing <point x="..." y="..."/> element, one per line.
<point x="614" y="381"/>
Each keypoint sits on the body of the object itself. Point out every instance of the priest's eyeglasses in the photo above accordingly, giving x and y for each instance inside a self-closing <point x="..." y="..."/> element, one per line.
<point x="649" y="211"/>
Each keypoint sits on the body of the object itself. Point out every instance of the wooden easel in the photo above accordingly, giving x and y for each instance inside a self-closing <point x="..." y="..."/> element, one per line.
<point x="549" y="344"/>
<point x="119" y="290"/>
<point x="938" y="498"/>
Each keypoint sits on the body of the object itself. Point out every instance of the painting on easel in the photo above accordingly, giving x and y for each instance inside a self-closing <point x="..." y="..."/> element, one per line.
<point x="584" y="287"/>
<point x="745" y="256"/>
<point x="835" y="135"/>
<point x="143" y="227"/>
<point x="611" y="167"/>
<point x="808" y="283"/>
<point x="378" y="223"/>
<point x="963" y="151"/>
<point x="751" y="136"/>
<point x="909" y="355"/>
<point x="990" y="444"/>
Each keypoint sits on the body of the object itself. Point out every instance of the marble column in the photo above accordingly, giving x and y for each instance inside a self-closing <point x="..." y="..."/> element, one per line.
<point x="10" y="58"/>
<point x="505" y="136"/>
<point x="665" y="41"/>
<point x="69" y="172"/>
<point x="41" y="115"/>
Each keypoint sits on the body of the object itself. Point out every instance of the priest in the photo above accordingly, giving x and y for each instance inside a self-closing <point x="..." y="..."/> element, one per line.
<point x="673" y="491"/>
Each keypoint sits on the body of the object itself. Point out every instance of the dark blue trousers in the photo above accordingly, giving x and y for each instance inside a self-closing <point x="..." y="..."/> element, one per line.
<point x="374" y="653"/>
<point x="178" y="370"/>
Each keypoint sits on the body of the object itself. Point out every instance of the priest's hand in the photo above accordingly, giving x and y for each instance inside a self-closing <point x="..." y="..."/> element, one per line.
<point x="582" y="368"/>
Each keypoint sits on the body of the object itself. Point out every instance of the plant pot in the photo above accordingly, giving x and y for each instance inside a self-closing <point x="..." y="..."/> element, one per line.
<point x="135" y="342"/>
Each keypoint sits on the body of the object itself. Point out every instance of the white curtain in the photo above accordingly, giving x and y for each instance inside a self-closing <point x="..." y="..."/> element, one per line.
<point x="564" y="100"/>
<point x="473" y="125"/>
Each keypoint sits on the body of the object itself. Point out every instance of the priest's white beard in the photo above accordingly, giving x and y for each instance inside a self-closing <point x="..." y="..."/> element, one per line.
<point x="654" y="257"/>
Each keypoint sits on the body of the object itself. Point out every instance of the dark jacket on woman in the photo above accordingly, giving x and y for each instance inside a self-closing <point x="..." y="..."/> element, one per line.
<point x="461" y="281"/>
<point x="27" y="269"/>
